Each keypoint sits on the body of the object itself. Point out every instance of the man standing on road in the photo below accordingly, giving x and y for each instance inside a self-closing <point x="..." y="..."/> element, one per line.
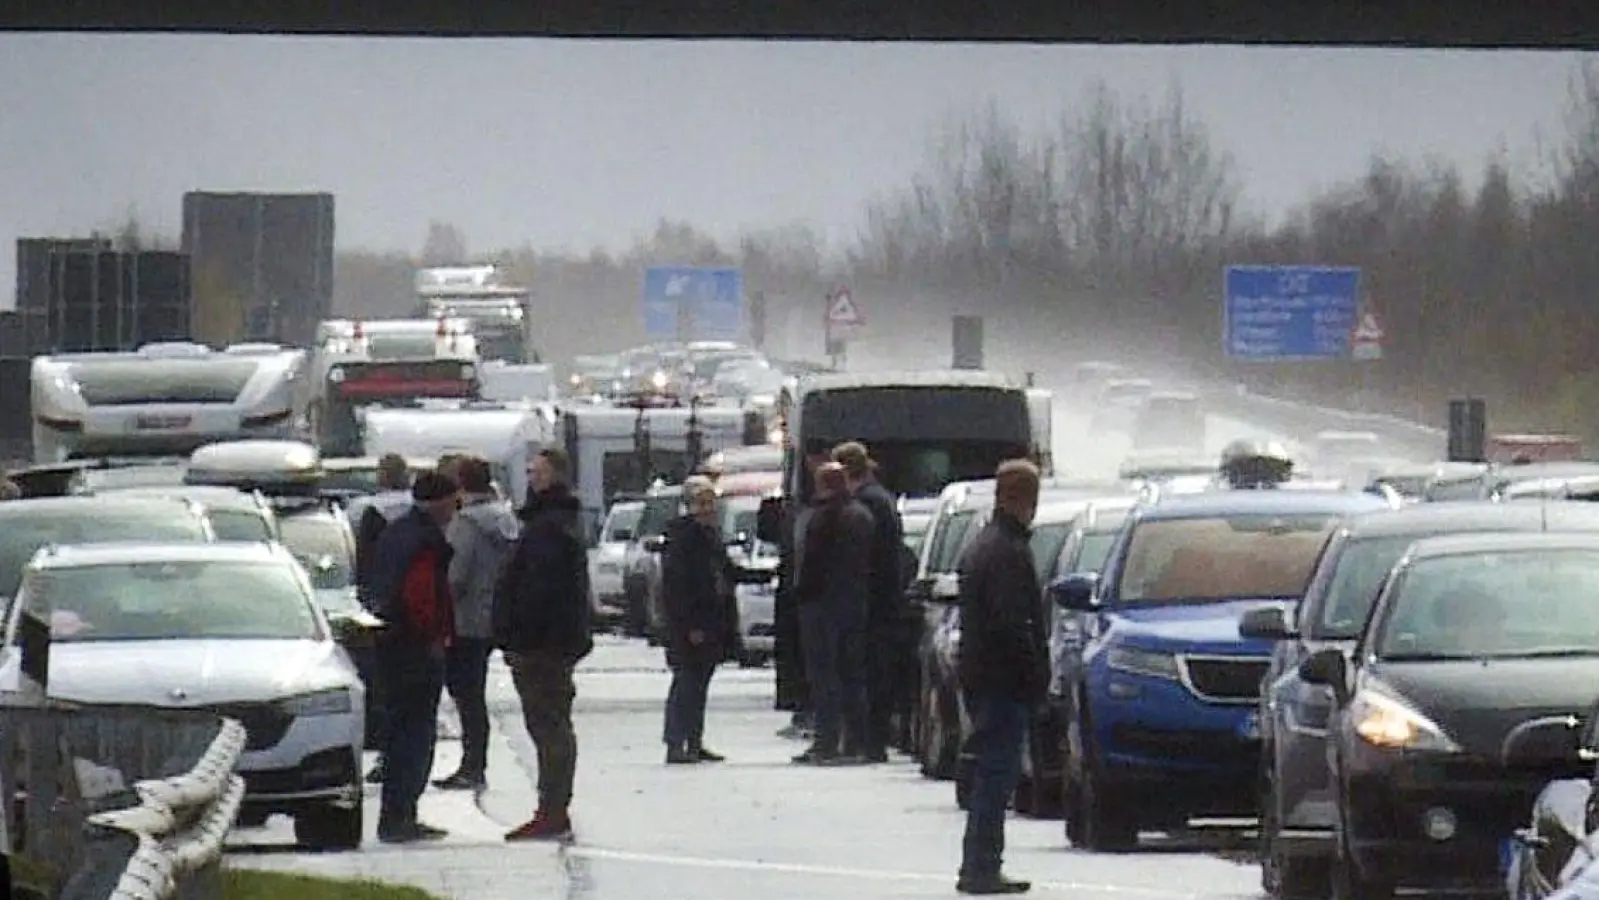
<point x="541" y="624"/>
<point x="411" y="593"/>
<point x="482" y="534"/>
<point x="885" y="609"/>
<point x="368" y="517"/>
<point x="831" y="589"/>
<point x="1003" y="668"/>
<point x="697" y="581"/>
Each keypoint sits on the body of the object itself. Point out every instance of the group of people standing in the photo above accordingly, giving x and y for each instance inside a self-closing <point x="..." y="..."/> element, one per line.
<point x="455" y="574"/>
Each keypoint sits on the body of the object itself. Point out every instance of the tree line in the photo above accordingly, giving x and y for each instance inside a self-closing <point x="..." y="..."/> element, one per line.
<point x="1117" y="223"/>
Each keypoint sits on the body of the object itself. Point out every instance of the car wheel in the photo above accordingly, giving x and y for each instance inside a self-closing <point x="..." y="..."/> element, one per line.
<point x="330" y="827"/>
<point x="1041" y="794"/>
<point x="1107" y="823"/>
<point x="1282" y="875"/>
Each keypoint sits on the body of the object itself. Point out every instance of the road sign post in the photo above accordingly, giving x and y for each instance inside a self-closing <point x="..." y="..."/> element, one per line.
<point x="693" y="303"/>
<point x="1289" y="313"/>
<point x="1367" y="339"/>
<point x="842" y="322"/>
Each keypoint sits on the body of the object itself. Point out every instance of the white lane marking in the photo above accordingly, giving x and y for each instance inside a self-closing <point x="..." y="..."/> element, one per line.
<point x="751" y="865"/>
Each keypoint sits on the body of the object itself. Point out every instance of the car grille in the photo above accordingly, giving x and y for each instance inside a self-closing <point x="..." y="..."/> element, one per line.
<point x="1225" y="679"/>
<point x="264" y="723"/>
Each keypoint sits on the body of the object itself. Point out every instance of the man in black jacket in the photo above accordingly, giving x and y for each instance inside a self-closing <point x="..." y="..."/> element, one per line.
<point x="831" y="591"/>
<point x="1003" y="668"/>
<point x="369" y="516"/>
<point x="885" y="626"/>
<point x="541" y="624"/>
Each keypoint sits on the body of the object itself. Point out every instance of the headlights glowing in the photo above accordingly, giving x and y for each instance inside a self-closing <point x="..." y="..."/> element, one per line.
<point x="1385" y="722"/>
<point x="774" y="436"/>
<point x="1142" y="662"/>
<point x="322" y="703"/>
<point x="659" y="380"/>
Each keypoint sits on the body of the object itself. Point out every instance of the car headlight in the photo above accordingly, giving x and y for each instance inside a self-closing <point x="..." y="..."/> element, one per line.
<point x="1142" y="662"/>
<point x="659" y="380"/>
<point x="576" y="380"/>
<point x="335" y="374"/>
<point x="321" y="703"/>
<point x="1386" y="722"/>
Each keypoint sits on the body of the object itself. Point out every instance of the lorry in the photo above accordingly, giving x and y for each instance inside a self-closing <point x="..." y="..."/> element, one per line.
<point x="496" y="310"/>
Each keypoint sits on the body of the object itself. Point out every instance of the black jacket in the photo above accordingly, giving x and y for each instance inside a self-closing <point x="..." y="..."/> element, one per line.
<point x="541" y="602"/>
<point x="835" y="568"/>
<point x="1004" y="641"/>
<point x="888" y="545"/>
<point x="697" y="581"/>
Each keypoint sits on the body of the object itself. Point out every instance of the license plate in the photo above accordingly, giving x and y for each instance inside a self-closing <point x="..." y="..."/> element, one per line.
<point x="1507" y="855"/>
<point x="1249" y="729"/>
<point x="161" y="423"/>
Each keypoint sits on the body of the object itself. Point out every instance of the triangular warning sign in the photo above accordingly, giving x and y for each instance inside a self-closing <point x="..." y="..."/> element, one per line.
<point x="841" y="310"/>
<point x="1369" y="329"/>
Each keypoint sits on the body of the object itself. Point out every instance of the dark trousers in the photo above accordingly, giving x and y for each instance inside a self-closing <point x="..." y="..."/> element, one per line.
<point x="793" y="689"/>
<point x="545" y="686"/>
<point x="413" y="678"/>
<point x="834" y="642"/>
<point x="882" y="694"/>
<point x="466" y="674"/>
<point x="999" y="728"/>
<point x="684" y="725"/>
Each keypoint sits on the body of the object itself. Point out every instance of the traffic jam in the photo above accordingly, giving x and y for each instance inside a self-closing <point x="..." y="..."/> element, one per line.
<point x="1383" y="670"/>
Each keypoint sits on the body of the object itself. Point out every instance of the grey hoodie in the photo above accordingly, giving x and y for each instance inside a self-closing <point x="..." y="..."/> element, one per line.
<point x="482" y="534"/>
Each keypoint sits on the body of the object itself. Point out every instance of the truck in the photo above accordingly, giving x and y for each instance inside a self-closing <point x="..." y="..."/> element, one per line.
<point x="496" y="310"/>
<point x="1507" y="449"/>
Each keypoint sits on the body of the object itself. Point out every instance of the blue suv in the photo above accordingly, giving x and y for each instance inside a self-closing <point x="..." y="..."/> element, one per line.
<point x="1164" y="728"/>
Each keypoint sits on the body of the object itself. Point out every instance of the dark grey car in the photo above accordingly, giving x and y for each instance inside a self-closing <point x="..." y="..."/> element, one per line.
<point x="1297" y="809"/>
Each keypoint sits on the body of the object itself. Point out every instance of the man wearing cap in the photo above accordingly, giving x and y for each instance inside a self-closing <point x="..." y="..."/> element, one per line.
<point x="368" y="517"/>
<point x="885" y="608"/>
<point x="409" y="590"/>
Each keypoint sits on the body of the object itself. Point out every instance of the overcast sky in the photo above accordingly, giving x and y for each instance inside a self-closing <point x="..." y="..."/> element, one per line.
<point x="569" y="144"/>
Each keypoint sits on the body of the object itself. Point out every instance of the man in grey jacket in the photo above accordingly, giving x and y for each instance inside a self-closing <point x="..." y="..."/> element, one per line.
<point x="482" y="535"/>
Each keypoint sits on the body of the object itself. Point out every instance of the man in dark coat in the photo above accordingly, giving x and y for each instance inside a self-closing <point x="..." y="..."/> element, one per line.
<point x="368" y="517"/>
<point x="831" y="591"/>
<point x="886" y="608"/>
<point x="541" y="623"/>
<point x="410" y="592"/>
<point x="1003" y="668"/>
<point x="697" y="580"/>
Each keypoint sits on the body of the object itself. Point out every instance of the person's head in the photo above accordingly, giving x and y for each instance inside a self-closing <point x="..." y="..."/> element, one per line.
<point x="474" y="475"/>
<point x="447" y="464"/>
<point x="436" y="493"/>
<point x="551" y="468"/>
<point x="857" y="463"/>
<point x="9" y="490"/>
<point x="393" y="473"/>
<point x="1016" y="486"/>
<point x="699" y="496"/>
<point x="831" y="481"/>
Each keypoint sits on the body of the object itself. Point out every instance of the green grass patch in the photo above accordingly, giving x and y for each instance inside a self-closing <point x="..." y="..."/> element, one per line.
<point x="251" y="884"/>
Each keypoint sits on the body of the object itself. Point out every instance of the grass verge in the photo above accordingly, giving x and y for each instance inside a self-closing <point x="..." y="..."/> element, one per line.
<point x="251" y="884"/>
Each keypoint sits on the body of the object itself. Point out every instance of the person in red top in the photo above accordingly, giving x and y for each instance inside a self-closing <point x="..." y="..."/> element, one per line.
<point x="411" y="593"/>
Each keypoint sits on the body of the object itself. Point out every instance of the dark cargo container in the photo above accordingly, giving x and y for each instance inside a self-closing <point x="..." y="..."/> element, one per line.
<point x="16" y="419"/>
<point x="83" y="300"/>
<point x="34" y="266"/>
<point x="261" y="265"/>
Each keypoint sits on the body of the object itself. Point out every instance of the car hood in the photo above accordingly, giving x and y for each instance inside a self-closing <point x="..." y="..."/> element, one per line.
<point x="1192" y="628"/>
<point x="194" y="672"/>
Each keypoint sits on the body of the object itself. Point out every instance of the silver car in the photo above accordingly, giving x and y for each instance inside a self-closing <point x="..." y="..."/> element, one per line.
<point x="607" y="557"/>
<point x="229" y="626"/>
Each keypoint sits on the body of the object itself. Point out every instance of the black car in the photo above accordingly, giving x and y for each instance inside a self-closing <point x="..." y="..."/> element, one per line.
<point x="1297" y="810"/>
<point x="1462" y="698"/>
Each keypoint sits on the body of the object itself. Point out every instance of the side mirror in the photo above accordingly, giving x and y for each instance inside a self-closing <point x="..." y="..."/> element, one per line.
<point x="355" y="628"/>
<point x="1264" y="624"/>
<point x="655" y="544"/>
<point x="1329" y="668"/>
<point x="1076" y="591"/>
<point x="769" y="520"/>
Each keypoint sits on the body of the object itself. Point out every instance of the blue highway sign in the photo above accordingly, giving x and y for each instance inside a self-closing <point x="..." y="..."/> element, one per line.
<point x="1285" y="313"/>
<point x="693" y="303"/>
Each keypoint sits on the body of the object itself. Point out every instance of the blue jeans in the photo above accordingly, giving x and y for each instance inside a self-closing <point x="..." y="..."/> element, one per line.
<point x="999" y="729"/>
<point x="414" y="678"/>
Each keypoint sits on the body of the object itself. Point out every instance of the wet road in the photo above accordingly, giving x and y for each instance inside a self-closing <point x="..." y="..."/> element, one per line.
<point x="753" y="827"/>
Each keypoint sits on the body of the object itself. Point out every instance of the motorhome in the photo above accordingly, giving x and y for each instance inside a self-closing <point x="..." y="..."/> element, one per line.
<point x="496" y="311"/>
<point x="507" y="435"/>
<point x="163" y="399"/>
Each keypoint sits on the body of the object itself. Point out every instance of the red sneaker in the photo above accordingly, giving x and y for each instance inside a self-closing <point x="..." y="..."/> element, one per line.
<point x="543" y="827"/>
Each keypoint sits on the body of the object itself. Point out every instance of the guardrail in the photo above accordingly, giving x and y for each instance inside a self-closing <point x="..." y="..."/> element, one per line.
<point x="1301" y="421"/>
<point x="118" y="802"/>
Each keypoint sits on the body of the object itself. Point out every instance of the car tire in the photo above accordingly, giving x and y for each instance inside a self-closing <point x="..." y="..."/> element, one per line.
<point x="1039" y="796"/>
<point x="1284" y="876"/>
<point x="330" y="827"/>
<point x="1104" y="822"/>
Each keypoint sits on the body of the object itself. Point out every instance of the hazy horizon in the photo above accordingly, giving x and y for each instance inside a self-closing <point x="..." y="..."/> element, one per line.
<point x="572" y="144"/>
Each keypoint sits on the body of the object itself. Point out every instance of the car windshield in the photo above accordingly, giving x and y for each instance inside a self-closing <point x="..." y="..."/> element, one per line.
<point x="319" y="542"/>
<point x="914" y="527"/>
<point x="154" y="601"/>
<point x="1499" y="604"/>
<point x="1446" y="491"/>
<point x="94" y="481"/>
<point x="363" y="480"/>
<point x="951" y="539"/>
<point x="1092" y="552"/>
<point x="1406" y="485"/>
<point x="658" y="512"/>
<point x="1357" y="576"/>
<point x="21" y="535"/>
<point x="1222" y="558"/>
<point x="622" y="521"/>
<point x="419" y="345"/>
<point x="1046" y="542"/>
<point x="238" y="525"/>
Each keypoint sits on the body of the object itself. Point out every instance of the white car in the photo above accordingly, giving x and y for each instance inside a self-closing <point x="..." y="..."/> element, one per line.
<point x="233" y="627"/>
<point x="608" y="556"/>
<point x="757" y="612"/>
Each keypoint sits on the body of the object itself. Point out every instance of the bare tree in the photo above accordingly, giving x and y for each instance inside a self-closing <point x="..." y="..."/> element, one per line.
<point x="445" y="245"/>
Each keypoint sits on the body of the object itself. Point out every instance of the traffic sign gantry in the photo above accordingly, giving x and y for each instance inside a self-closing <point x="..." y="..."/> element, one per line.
<point x="688" y="302"/>
<point x="1368" y="338"/>
<point x="1286" y="313"/>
